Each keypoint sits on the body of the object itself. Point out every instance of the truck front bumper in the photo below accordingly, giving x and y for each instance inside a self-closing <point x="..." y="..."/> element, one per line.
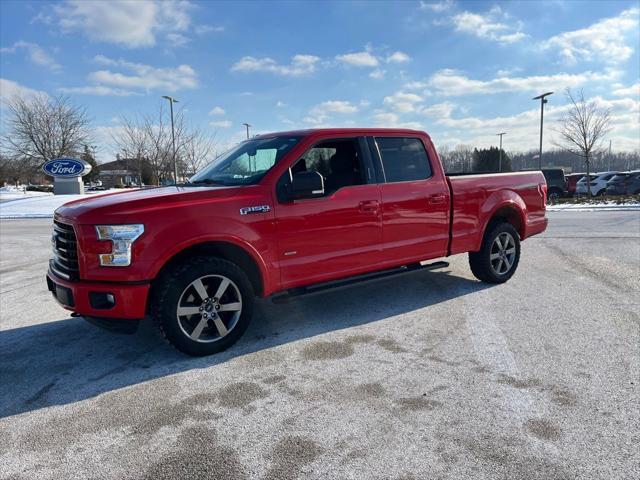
<point x="125" y="301"/>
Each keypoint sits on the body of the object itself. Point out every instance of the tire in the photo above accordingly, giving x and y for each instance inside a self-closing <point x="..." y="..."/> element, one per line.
<point x="202" y="326"/>
<point x="553" y="195"/>
<point x="490" y="270"/>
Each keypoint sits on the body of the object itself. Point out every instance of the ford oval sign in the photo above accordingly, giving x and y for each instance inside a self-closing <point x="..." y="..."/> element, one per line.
<point x="66" y="167"/>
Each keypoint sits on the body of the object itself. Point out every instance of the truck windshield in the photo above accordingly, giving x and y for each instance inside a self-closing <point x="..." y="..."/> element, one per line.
<point x="246" y="163"/>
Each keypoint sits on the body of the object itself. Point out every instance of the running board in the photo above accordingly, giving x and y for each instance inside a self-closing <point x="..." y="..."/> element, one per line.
<point x="347" y="282"/>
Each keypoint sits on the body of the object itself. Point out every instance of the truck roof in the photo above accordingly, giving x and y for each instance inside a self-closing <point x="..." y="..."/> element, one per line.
<point x="335" y="131"/>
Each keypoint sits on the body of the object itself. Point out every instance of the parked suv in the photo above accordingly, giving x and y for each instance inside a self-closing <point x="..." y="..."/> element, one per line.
<point x="624" y="184"/>
<point x="556" y="183"/>
<point x="598" y="183"/>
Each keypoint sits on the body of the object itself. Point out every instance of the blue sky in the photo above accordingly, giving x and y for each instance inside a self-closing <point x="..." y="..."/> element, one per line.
<point x="462" y="71"/>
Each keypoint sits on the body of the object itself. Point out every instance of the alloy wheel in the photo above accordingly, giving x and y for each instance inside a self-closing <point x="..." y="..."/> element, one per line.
<point x="503" y="253"/>
<point x="209" y="308"/>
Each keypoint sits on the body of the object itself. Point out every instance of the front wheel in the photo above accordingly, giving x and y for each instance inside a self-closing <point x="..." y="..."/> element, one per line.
<point x="203" y="306"/>
<point x="498" y="257"/>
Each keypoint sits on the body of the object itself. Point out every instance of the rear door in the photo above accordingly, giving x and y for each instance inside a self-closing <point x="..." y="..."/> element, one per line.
<point x="340" y="233"/>
<point x="415" y="199"/>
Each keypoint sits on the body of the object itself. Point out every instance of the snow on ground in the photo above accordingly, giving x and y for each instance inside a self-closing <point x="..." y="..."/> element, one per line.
<point x="35" y="206"/>
<point x="13" y="193"/>
<point x="609" y="206"/>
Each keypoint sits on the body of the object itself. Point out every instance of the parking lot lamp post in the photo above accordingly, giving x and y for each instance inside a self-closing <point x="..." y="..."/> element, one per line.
<point x="247" y="125"/>
<point x="500" y="151"/>
<point x="173" y="138"/>
<point x="542" y="102"/>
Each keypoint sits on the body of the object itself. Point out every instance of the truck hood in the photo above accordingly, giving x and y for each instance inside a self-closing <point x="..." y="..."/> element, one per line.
<point x="130" y="204"/>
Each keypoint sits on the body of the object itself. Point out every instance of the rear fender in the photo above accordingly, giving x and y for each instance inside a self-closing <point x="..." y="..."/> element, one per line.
<point x="505" y="204"/>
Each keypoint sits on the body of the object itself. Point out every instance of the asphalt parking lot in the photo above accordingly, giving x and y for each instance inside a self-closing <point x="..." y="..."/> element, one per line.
<point x="431" y="375"/>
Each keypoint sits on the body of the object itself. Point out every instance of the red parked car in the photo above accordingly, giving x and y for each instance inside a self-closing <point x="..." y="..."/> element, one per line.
<point x="292" y="212"/>
<point x="572" y="181"/>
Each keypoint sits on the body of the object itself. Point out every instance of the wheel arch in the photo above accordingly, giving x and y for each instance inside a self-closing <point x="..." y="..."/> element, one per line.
<point x="510" y="212"/>
<point x="225" y="250"/>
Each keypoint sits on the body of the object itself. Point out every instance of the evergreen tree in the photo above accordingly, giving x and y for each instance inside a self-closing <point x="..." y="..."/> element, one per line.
<point x="488" y="160"/>
<point x="88" y="157"/>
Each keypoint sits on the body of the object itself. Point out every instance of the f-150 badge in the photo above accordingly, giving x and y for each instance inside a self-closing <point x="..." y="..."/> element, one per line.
<point x="255" y="209"/>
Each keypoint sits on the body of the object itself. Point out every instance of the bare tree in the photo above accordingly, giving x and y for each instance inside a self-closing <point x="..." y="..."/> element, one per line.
<point x="582" y="129"/>
<point x="197" y="150"/>
<point x="42" y="128"/>
<point x="149" y="137"/>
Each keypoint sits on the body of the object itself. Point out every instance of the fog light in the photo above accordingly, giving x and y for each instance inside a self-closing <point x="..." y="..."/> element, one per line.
<point x="102" y="300"/>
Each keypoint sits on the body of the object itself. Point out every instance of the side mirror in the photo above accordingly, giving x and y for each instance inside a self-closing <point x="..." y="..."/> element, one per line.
<point x="306" y="185"/>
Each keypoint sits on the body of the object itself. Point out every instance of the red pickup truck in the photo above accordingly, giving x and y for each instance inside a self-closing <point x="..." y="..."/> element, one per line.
<point x="284" y="213"/>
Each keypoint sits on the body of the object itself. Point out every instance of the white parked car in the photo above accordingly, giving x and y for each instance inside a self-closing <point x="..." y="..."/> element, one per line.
<point x="598" y="183"/>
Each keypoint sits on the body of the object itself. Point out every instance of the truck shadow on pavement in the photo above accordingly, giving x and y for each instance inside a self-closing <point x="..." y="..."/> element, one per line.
<point x="67" y="361"/>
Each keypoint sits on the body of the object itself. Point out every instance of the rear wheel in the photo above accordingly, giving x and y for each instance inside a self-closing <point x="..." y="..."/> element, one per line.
<point x="204" y="305"/>
<point x="498" y="258"/>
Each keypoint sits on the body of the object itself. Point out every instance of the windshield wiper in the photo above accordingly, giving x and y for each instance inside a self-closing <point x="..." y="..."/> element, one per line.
<point x="206" y="181"/>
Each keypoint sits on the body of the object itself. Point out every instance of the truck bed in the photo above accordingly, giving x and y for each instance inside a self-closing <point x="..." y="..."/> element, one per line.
<point x="475" y="196"/>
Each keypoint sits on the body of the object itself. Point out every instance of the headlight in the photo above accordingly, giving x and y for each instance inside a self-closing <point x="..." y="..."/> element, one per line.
<point x="122" y="237"/>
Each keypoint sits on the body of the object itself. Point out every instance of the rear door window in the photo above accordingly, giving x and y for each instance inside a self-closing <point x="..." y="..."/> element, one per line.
<point x="404" y="159"/>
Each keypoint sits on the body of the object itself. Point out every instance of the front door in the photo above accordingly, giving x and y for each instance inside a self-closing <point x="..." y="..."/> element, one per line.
<point x="338" y="234"/>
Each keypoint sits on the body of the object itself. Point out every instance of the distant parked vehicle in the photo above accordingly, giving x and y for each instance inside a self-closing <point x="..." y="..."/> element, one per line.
<point x="556" y="183"/>
<point x="572" y="181"/>
<point x="598" y="183"/>
<point x="624" y="184"/>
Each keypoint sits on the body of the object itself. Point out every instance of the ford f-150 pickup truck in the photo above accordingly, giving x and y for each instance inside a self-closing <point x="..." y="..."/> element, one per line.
<point x="284" y="213"/>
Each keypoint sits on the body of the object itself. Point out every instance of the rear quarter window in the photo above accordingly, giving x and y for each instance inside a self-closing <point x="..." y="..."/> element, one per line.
<point x="404" y="159"/>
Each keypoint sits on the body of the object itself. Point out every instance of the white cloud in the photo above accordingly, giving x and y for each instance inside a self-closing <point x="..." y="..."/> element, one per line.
<point x="143" y="77"/>
<point x="488" y="26"/>
<point x="217" y="111"/>
<point x="36" y="54"/>
<point x="451" y="83"/>
<point x="335" y="106"/>
<point x="607" y="40"/>
<point x="300" y="65"/>
<point x="415" y="85"/>
<point x="280" y="104"/>
<point x="398" y="57"/>
<point x="378" y="74"/>
<point x="204" y="29"/>
<point x="386" y="118"/>
<point x="437" y="7"/>
<point x="177" y="40"/>
<point x="358" y="59"/>
<point x="99" y="90"/>
<point x="390" y="119"/>
<point x="131" y="24"/>
<point x="633" y="90"/>
<point x="10" y="89"/>
<point x="438" y="110"/>
<point x="221" y="124"/>
<point x="321" y="112"/>
<point x="403" y="102"/>
<point x="523" y="128"/>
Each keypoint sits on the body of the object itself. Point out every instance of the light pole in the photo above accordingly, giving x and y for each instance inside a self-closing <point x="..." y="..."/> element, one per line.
<point x="173" y="138"/>
<point x="247" y="125"/>
<point x="500" y="151"/>
<point x="542" y="102"/>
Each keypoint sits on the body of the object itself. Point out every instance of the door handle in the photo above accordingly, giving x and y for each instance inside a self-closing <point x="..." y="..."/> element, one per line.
<point x="370" y="206"/>
<point x="437" y="199"/>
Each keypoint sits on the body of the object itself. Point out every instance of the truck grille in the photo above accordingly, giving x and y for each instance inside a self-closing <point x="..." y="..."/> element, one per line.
<point x="65" y="251"/>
